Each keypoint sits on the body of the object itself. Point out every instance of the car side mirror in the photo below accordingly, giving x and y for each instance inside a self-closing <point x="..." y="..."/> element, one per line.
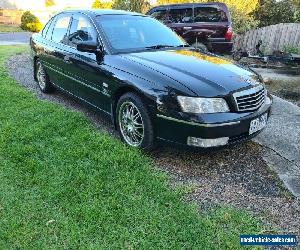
<point x="88" y="46"/>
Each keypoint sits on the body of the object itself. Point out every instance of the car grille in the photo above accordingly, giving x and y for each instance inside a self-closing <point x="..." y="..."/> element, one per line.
<point x="250" y="99"/>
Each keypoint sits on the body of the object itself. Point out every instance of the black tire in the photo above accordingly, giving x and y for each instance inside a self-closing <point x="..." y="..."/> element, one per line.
<point x="42" y="78"/>
<point x="147" y="141"/>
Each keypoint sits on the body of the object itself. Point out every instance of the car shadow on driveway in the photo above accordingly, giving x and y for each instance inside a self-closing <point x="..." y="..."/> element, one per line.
<point x="237" y="176"/>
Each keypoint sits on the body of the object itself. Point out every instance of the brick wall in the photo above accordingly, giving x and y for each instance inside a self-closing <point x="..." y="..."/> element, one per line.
<point x="10" y="16"/>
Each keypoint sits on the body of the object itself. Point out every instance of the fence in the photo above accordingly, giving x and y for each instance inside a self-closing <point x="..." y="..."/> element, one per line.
<point x="274" y="37"/>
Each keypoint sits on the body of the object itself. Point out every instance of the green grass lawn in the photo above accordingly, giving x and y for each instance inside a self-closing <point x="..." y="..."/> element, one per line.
<point x="10" y="28"/>
<point x="64" y="184"/>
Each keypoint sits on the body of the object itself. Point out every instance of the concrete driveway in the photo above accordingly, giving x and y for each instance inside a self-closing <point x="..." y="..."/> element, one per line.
<point x="13" y="38"/>
<point x="281" y="142"/>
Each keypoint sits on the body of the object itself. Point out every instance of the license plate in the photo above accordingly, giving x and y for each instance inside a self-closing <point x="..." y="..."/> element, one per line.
<point x="258" y="124"/>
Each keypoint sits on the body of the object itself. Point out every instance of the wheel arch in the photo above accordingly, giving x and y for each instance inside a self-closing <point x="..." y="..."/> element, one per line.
<point x="120" y="92"/>
<point x="35" y="58"/>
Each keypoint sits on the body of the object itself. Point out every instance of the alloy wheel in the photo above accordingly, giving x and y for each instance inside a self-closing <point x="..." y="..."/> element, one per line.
<point x="131" y="124"/>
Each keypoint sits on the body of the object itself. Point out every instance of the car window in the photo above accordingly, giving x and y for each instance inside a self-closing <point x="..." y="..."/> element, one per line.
<point x="60" y="30"/>
<point x="81" y="30"/>
<point x="131" y="33"/>
<point x="184" y="15"/>
<point x="45" y="29"/>
<point x="161" y="15"/>
<point x="209" y="14"/>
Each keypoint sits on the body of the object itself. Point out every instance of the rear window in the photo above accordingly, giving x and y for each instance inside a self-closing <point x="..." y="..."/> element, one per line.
<point x="209" y="15"/>
<point x="184" y="15"/>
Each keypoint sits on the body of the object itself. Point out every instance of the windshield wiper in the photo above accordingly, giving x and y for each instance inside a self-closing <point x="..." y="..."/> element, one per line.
<point x="183" y="46"/>
<point x="159" y="46"/>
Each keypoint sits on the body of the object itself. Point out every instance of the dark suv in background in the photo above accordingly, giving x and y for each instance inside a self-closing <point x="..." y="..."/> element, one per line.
<point x="198" y="24"/>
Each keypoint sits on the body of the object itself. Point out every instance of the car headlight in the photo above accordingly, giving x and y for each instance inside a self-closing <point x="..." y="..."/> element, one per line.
<point x="202" y="105"/>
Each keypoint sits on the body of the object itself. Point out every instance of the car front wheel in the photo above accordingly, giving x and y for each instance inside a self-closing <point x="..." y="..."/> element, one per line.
<point x="134" y="122"/>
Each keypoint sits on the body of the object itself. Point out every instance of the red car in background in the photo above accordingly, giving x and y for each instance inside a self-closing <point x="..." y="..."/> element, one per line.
<point x="202" y="25"/>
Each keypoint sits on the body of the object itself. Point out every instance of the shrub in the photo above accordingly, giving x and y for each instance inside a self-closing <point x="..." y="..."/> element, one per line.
<point x="273" y="12"/>
<point x="290" y="49"/>
<point x="30" y="22"/>
<point x="241" y="22"/>
<point x="297" y="16"/>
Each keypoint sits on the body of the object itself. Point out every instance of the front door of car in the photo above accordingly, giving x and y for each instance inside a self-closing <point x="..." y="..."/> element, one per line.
<point x="85" y="72"/>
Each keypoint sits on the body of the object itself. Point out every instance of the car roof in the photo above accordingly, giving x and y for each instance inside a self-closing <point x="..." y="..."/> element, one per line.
<point x="97" y="12"/>
<point x="223" y="5"/>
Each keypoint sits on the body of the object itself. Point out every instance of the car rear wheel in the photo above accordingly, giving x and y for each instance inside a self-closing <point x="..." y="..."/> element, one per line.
<point x="42" y="78"/>
<point x="134" y="122"/>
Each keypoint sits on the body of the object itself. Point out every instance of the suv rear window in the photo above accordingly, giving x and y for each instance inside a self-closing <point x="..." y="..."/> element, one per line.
<point x="184" y="15"/>
<point x="209" y="15"/>
<point x="161" y="15"/>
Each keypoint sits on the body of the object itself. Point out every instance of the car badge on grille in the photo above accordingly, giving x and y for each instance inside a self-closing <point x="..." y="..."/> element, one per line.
<point x="251" y="81"/>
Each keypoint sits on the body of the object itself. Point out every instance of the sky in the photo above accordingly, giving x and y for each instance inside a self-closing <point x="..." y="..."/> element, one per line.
<point x="40" y="4"/>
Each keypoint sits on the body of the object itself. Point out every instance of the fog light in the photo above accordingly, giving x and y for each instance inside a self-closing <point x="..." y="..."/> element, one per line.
<point x="206" y="143"/>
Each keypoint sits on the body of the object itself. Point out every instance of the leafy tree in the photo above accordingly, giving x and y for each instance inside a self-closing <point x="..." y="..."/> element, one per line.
<point x="271" y="12"/>
<point x="49" y="3"/>
<point x="131" y="5"/>
<point x="297" y="16"/>
<point x="30" y="22"/>
<point x="99" y="5"/>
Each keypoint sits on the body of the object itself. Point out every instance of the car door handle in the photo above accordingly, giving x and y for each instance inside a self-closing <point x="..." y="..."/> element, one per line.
<point x="187" y="28"/>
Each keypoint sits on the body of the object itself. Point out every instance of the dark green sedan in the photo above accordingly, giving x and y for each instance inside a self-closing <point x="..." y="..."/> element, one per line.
<point x="153" y="85"/>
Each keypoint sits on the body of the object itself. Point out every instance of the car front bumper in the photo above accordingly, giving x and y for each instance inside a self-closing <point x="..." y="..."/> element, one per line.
<point x="234" y="126"/>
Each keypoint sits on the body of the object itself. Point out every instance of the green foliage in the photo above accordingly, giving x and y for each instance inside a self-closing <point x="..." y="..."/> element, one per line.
<point x="273" y="12"/>
<point x="97" y="4"/>
<point x="10" y="28"/>
<point x="241" y="23"/>
<point x="297" y="16"/>
<point x="66" y="185"/>
<point x="49" y="3"/>
<point x="30" y="22"/>
<point x="290" y="49"/>
<point x="131" y="5"/>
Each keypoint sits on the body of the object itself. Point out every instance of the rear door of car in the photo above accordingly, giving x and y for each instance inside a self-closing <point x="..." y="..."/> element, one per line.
<point x="55" y="49"/>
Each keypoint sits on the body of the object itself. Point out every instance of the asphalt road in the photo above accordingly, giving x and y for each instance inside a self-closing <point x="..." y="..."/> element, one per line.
<point x="11" y="38"/>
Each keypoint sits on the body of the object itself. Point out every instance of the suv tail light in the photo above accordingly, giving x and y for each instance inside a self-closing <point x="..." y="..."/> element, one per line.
<point x="228" y="34"/>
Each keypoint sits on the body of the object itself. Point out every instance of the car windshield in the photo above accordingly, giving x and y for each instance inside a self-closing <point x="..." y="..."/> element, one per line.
<point x="127" y="33"/>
